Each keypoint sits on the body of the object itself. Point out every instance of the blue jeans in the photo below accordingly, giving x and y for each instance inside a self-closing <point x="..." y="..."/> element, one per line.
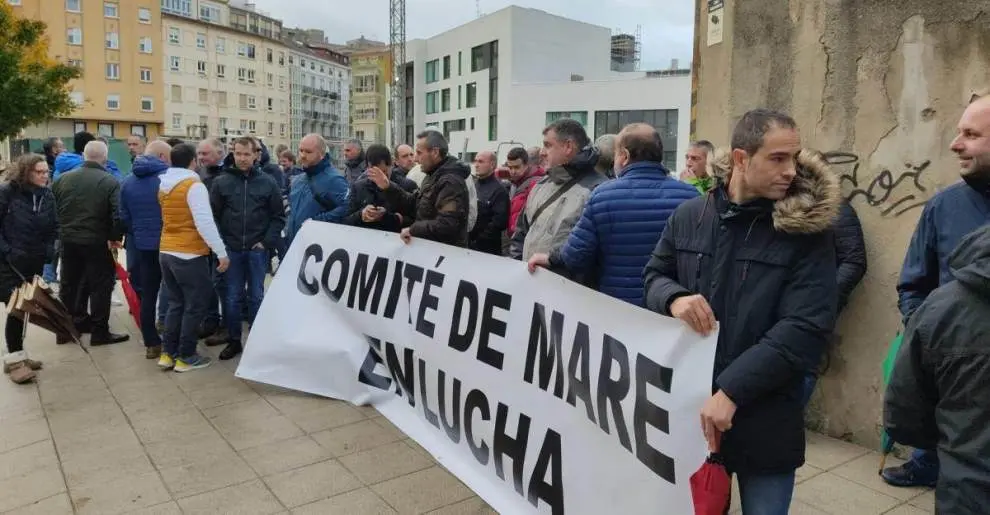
<point x="189" y="285"/>
<point x="147" y="285"/>
<point x="162" y="302"/>
<point x="246" y="267"/>
<point x="761" y="494"/>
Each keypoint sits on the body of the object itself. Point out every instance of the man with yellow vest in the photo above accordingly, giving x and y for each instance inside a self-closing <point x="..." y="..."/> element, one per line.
<point x="189" y="233"/>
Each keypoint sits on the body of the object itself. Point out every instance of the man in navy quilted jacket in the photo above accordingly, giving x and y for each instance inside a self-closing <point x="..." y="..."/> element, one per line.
<point x="624" y="218"/>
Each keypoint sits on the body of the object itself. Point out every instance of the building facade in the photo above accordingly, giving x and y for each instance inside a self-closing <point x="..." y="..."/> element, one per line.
<point x="223" y="77"/>
<point x="477" y="82"/>
<point x="372" y="74"/>
<point x="320" y="82"/>
<point x="117" y="44"/>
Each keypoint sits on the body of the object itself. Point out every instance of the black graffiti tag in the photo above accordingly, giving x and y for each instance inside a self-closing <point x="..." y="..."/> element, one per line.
<point x="879" y="191"/>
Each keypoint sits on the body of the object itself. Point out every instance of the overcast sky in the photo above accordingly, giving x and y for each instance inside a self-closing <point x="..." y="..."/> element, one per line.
<point x="667" y="30"/>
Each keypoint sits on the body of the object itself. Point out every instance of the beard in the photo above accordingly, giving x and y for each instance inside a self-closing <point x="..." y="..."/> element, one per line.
<point x="978" y="174"/>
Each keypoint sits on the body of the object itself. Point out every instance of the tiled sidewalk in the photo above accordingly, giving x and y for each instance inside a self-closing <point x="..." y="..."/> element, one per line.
<point x="109" y="433"/>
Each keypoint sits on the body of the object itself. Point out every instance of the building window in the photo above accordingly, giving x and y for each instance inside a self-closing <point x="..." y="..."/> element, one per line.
<point x="104" y="130"/>
<point x="176" y="91"/>
<point x="472" y="95"/>
<point x="250" y="76"/>
<point x="431" y="71"/>
<point x="245" y="50"/>
<point x="201" y="67"/>
<point x="74" y="36"/>
<point x="221" y="71"/>
<point x="78" y="127"/>
<point x="252" y="102"/>
<point x="271" y="105"/>
<point x="432" y="101"/>
<point x="270" y="55"/>
<point x="366" y="84"/>
<point x="209" y="13"/>
<point x="145" y="74"/>
<point x="176" y="121"/>
<point x="113" y="71"/>
<point x="243" y="125"/>
<point x="445" y="100"/>
<point x="76" y="63"/>
<point x="139" y="129"/>
<point x="14" y="2"/>
<point x="113" y="102"/>
<point x="281" y="58"/>
<point x="578" y="116"/>
<point x="113" y="41"/>
<point x="204" y="96"/>
<point x="270" y="80"/>
<point x="221" y="45"/>
<point x="281" y="129"/>
<point x="281" y="82"/>
<point x="472" y="124"/>
<point x="459" y="91"/>
<point x="174" y="63"/>
<point x="222" y="124"/>
<point x="252" y="126"/>
<point x="221" y="98"/>
<point x="76" y="97"/>
<point x="180" y="7"/>
<point x="493" y="127"/>
<point x="459" y="63"/>
<point x="174" y="35"/>
<point x="663" y="120"/>
<point x="144" y="16"/>
<point x="201" y="40"/>
<point x="446" y="67"/>
<point x="147" y="104"/>
<point x="144" y="45"/>
<point x="110" y="10"/>
<point x="73" y="5"/>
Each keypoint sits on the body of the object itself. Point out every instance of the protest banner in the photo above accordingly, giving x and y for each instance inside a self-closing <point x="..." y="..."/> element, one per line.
<point x="541" y="395"/>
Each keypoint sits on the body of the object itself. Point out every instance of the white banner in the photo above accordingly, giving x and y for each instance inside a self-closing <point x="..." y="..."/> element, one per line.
<point x="541" y="395"/>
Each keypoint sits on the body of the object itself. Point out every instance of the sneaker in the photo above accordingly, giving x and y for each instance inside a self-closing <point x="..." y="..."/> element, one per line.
<point x="192" y="363"/>
<point x="911" y="474"/>
<point x="21" y="373"/>
<point x="231" y="351"/>
<point x="165" y="362"/>
<point x="153" y="352"/>
<point x="33" y="364"/>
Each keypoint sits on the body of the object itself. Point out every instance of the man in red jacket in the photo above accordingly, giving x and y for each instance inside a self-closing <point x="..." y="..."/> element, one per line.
<point x="522" y="176"/>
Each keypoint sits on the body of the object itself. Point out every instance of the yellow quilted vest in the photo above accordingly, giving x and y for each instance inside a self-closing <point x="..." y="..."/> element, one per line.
<point x="179" y="233"/>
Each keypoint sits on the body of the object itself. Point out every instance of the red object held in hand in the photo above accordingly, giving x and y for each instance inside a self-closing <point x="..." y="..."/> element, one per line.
<point x="711" y="487"/>
<point x="133" y="301"/>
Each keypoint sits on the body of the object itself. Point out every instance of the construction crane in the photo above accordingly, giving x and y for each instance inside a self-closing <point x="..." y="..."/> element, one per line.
<point x="397" y="43"/>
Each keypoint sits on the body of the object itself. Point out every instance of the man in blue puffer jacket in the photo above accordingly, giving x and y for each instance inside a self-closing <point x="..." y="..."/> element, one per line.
<point x="68" y="161"/>
<point x="623" y="219"/>
<point x="141" y="216"/>
<point x="320" y="192"/>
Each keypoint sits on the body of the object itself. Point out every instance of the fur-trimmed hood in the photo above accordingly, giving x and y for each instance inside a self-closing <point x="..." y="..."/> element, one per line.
<point x="812" y="202"/>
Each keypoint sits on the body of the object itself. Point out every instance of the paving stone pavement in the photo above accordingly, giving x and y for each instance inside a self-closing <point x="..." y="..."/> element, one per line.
<point x="109" y="433"/>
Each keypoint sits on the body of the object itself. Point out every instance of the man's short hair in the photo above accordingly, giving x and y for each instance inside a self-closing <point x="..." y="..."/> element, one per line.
<point x="174" y="142"/>
<point x="518" y="154"/>
<point x="377" y="155"/>
<point x="703" y="144"/>
<point x="567" y="129"/>
<point x="356" y="142"/>
<point x="247" y="142"/>
<point x="643" y="145"/>
<point x="183" y="155"/>
<point x="287" y="154"/>
<point x="434" y="139"/>
<point x="140" y="138"/>
<point x="50" y="144"/>
<point x="96" y="150"/>
<point x="215" y="143"/>
<point x="80" y="140"/>
<point x="321" y="142"/>
<point x="606" y="152"/>
<point x="754" y="126"/>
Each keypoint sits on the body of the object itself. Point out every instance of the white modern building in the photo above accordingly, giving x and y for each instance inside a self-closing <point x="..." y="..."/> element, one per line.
<point x="223" y="76"/>
<point x="497" y="81"/>
<point x="320" y="82"/>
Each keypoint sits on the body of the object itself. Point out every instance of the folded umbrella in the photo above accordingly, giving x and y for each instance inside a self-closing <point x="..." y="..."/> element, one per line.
<point x="133" y="301"/>
<point x="711" y="486"/>
<point x="886" y="443"/>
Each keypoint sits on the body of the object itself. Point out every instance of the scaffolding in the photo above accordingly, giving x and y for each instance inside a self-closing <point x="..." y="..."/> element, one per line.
<point x="626" y="49"/>
<point x="397" y="42"/>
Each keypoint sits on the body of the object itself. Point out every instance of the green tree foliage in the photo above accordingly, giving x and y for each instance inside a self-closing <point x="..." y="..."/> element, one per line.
<point x="33" y="87"/>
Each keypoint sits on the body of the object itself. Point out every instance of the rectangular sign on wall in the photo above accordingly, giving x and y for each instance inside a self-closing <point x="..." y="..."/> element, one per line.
<point x="716" y="10"/>
<point x="541" y="395"/>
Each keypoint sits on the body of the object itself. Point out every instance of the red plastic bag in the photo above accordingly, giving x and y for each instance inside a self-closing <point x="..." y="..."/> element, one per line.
<point x="133" y="301"/>
<point x="711" y="487"/>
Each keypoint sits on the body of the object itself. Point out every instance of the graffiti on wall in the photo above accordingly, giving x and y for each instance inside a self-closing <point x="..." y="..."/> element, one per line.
<point x="893" y="194"/>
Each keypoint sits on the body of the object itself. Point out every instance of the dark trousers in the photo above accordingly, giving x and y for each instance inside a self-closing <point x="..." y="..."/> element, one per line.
<point x="246" y="267"/>
<point x="150" y="279"/>
<point x="88" y="278"/>
<point x="216" y="311"/>
<point x="189" y="286"/>
<point x="14" y="331"/>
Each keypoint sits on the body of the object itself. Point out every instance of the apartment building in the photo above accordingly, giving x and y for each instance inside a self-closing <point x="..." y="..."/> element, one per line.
<point x="224" y="73"/>
<point x="320" y="82"/>
<point x="117" y="44"/>
<point x="372" y="72"/>
<point x="496" y="82"/>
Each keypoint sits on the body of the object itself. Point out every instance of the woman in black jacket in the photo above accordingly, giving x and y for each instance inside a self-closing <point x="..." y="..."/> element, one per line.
<point x="28" y="227"/>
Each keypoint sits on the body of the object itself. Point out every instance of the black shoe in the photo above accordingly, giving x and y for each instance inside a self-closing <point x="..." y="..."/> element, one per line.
<point x="208" y="329"/>
<point x="231" y="351"/>
<point x="107" y="339"/>
<point x="217" y="338"/>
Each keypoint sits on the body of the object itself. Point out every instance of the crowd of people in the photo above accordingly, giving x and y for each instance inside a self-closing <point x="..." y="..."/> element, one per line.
<point x="754" y="239"/>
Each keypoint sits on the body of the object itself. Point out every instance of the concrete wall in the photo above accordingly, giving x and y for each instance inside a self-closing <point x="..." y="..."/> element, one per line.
<point x="882" y="82"/>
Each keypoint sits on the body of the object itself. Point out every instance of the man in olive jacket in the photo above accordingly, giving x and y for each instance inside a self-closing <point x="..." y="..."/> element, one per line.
<point x="756" y="254"/>
<point x="87" y="200"/>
